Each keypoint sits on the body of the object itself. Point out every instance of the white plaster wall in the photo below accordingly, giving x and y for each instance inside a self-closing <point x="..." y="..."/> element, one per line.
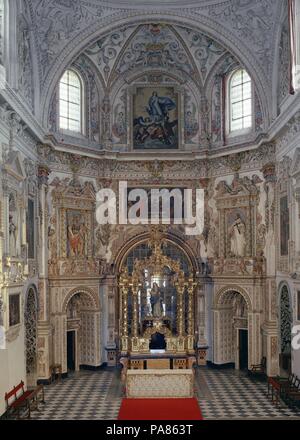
<point x="4" y="379"/>
<point x="12" y="367"/>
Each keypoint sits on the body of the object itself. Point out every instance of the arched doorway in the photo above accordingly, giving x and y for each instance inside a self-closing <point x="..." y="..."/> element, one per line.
<point x="82" y="331"/>
<point x="285" y="331"/>
<point x="30" y="319"/>
<point x="231" y="330"/>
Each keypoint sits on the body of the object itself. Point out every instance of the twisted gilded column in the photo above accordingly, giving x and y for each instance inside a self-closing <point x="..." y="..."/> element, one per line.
<point x="180" y="287"/>
<point x="135" y="289"/>
<point x="191" y="325"/>
<point x="124" y="293"/>
<point x="191" y="317"/>
<point x="123" y="286"/>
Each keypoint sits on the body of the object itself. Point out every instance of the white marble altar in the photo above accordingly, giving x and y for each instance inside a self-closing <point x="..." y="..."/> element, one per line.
<point x="160" y="383"/>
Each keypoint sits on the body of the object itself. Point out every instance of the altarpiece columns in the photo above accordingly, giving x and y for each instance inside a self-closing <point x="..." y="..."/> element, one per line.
<point x="157" y="304"/>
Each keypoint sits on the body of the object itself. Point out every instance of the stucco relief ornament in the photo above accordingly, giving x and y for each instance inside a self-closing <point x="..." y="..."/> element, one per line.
<point x="205" y="50"/>
<point x="269" y="172"/>
<point x="238" y="185"/>
<point x="106" y="109"/>
<point x="43" y="174"/>
<point x="251" y="21"/>
<point x="261" y="237"/>
<point x="105" y="238"/>
<point x="156" y="168"/>
<point x="24" y="57"/>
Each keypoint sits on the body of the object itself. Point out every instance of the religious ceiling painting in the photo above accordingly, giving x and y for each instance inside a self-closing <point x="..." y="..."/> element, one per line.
<point x="155" y="118"/>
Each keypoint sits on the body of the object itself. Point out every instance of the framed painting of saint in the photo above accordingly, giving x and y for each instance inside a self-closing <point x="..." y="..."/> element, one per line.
<point x="14" y="309"/>
<point x="77" y="234"/>
<point x="155" y="118"/>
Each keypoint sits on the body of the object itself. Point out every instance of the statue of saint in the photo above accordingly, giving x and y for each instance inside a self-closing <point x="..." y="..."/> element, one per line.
<point x="237" y="236"/>
<point x="12" y="236"/>
<point x="156" y="301"/>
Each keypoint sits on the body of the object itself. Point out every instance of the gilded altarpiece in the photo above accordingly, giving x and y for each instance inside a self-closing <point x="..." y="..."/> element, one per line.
<point x="157" y="305"/>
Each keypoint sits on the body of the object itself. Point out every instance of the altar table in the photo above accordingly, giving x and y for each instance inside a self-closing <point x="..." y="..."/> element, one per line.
<point x="156" y="383"/>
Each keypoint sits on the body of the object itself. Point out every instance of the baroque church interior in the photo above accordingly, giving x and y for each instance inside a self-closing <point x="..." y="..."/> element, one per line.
<point x="95" y="94"/>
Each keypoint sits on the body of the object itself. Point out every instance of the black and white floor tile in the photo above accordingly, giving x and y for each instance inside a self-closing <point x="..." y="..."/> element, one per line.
<point x="231" y="394"/>
<point x="222" y="394"/>
<point x="83" y="396"/>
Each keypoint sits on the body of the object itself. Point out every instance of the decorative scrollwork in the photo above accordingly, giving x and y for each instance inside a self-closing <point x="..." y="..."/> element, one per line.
<point x="30" y="332"/>
<point x="285" y="321"/>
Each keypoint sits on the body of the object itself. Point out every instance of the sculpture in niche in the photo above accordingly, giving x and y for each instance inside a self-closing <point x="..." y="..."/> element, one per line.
<point x="12" y="236"/>
<point x="270" y="204"/>
<point x="12" y="226"/>
<point x="77" y="234"/>
<point x="73" y="310"/>
<point x="191" y="126"/>
<point x="119" y="128"/>
<point x="155" y="118"/>
<point x="239" y="307"/>
<point x="237" y="237"/>
<point x="156" y="301"/>
<point x="52" y="238"/>
<point x="261" y="237"/>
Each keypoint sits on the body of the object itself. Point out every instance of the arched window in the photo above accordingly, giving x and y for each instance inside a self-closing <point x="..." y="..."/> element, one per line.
<point x="240" y="101"/>
<point x="70" y="102"/>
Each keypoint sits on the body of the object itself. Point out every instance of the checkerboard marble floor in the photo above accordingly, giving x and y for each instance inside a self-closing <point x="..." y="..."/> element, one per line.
<point x="86" y="395"/>
<point x="231" y="394"/>
<point x="222" y="394"/>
